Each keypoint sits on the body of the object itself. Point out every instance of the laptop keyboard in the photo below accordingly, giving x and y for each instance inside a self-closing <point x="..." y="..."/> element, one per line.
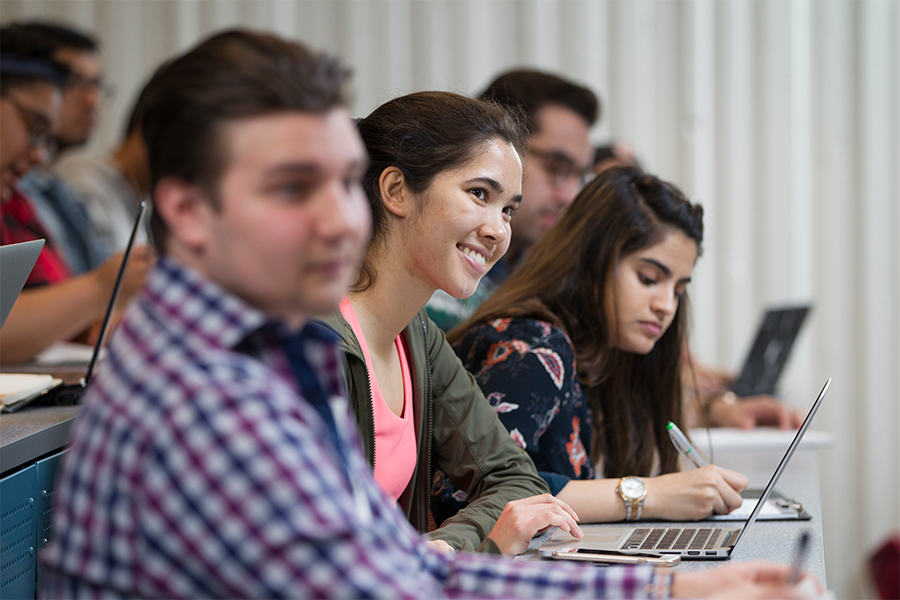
<point x="673" y="538"/>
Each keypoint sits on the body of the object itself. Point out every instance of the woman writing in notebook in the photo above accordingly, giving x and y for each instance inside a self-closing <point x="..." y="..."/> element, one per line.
<point x="444" y="178"/>
<point x="578" y="352"/>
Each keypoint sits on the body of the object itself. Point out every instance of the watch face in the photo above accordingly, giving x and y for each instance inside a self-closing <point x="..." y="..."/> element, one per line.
<point x="632" y="487"/>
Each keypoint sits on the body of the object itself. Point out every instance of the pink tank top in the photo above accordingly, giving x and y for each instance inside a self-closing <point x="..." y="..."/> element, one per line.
<point x="395" y="437"/>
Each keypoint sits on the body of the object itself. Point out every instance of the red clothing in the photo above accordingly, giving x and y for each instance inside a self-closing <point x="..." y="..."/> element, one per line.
<point x="19" y="223"/>
<point x="884" y="568"/>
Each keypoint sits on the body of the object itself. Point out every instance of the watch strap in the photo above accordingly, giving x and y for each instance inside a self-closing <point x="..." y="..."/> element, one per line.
<point x="633" y="506"/>
<point x="633" y="509"/>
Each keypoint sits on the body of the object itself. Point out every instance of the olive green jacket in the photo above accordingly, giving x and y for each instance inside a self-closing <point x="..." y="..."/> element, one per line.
<point x="457" y="432"/>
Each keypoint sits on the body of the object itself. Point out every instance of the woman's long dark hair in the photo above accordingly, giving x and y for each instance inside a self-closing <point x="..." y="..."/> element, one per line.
<point x="423" y="135"/>
<point x="566" y="280"/>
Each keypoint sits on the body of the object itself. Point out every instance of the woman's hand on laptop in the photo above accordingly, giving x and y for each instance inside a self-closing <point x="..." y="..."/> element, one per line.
<point x="693" y="495"/>
<point x="441" y="546"/>
<point x="754" y="411"/>
<point x="522" y="519"/>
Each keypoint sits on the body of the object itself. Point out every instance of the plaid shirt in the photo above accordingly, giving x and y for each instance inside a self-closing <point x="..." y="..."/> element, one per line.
<point x="198" y="468"/>
<point x="19" y="223"/>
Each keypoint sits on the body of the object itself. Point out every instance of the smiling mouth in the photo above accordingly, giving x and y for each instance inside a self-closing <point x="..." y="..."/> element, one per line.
<point x="476" y="256"/>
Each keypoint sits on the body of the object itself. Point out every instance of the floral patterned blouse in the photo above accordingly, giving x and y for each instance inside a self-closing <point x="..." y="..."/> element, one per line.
<point x="526" y="369"/>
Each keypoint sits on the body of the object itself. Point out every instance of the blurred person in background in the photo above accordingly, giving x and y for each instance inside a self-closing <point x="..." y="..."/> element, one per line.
<point x="60" y="210"/>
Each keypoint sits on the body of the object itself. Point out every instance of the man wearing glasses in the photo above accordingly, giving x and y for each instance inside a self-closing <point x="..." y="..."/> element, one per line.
<point x="55" y="305"/>
<point x="60" y="209"/>
<point x="84" y="90"/>
<point x="30" y="98"/>
<point x="559" y="114"/>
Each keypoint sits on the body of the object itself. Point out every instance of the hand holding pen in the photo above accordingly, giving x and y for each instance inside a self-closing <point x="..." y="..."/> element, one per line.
<point x="695" y="494"/>
<point x="681" y="443"/>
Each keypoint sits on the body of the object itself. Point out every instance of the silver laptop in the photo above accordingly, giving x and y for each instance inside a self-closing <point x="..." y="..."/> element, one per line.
<point x="700" y="542"/>
<point x="70" y="393"/>
<point x="16" y="262"/>
<point x="770" y="351"/>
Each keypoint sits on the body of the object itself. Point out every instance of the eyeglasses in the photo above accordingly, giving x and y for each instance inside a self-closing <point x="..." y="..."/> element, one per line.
<point x="561" y="168"/>
<point x="84" y="85"/>
<point x="37" y="124"/>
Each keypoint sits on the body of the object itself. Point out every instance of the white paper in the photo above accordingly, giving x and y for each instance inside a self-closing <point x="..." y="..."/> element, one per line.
<point x="769" y="510"/>
<point x="65" y="353"/>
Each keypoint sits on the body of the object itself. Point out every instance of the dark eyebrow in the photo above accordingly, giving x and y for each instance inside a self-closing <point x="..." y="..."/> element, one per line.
<point x="665" y="270"/>
<point x="311" y="168"/>
<point x="295" y="168"/>
<point x="517" y="200"/>
<point x="491" y="183"/>
<point x="561" y="156"/>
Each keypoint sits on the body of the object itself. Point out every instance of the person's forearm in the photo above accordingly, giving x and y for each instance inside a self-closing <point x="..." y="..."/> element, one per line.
<point x="51" y="313"/>
<point x="595" y="500"/>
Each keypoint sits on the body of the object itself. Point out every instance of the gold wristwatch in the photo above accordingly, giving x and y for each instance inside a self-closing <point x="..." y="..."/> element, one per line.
<point x="633" y="492"/>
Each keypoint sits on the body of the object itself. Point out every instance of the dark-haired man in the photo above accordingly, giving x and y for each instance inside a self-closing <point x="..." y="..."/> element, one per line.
<point x="30" y="96"/>
<point x="559" y="115"/>
<point x="84" y="88"/>
<point x="59" y="208"/>
<point x="31" y="85"/>
<point x="55" y="305"/>
<point x="112" y="186"/>
<point x="215" y="455"/>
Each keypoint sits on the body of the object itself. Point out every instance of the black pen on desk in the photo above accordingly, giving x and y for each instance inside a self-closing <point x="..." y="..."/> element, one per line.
<point x="682" y="444"/>
<point x="802" y="545"/>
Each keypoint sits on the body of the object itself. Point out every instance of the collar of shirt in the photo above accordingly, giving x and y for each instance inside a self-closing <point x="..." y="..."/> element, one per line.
<point x="192" y="307"/>
<point x="38" y="180"/>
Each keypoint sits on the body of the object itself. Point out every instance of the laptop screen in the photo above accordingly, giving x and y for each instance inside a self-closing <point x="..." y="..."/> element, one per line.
<point x="115" y="293"/>
<point x="770" y="351"/>
<point x="783" y="464"/>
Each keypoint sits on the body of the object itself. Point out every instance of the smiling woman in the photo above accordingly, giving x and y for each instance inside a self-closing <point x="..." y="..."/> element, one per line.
<point x="578" y="351"/>
<point x="444" y="179"/>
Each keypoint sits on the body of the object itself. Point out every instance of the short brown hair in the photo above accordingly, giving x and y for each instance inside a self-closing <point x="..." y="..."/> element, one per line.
<point x="528" y="91"/>
<point x="231" y="76"/>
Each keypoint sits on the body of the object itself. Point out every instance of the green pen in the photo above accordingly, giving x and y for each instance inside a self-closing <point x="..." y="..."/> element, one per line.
<point x="682" y="444"/>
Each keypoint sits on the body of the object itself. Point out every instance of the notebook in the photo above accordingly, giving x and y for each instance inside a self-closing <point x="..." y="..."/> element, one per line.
<point x="769" y="353"/>
<point x="778" y="508"/>
<point x="707" y="541"/>
<point x="65" y="394"/>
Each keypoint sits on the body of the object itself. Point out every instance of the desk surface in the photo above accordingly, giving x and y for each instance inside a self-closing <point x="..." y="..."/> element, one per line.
<point x="725" y="439"/>
<point x="32" y="432"/>
<point x="773" y="541"/>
